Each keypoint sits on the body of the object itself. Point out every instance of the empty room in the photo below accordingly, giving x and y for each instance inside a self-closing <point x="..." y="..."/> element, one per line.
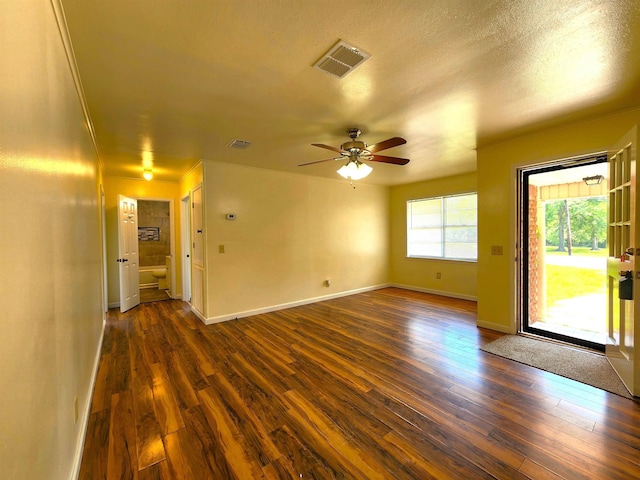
<point x="284" y="240"/>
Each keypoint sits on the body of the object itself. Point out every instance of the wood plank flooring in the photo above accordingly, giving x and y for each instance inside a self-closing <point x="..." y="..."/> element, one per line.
<point x="385" y="384"/>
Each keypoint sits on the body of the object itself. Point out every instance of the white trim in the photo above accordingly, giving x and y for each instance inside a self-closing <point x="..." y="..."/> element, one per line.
<point x="192" y="169"/>
<point x="499" y="327"/>
<point x="201" y="316"/>
<point x="442" y="293"/>
<point x="75" y="470"/>
<point x="61" y="20"/>
<point x="282" y="306"/>
<point x="185" y="245"/>
<point x="103" y="252"/>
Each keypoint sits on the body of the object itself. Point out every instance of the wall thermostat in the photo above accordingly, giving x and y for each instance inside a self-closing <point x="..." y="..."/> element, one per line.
<point x="231" y="216"/>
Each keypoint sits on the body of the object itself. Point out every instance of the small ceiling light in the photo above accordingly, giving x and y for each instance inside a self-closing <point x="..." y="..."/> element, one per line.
<point x="595" y="180"/>
<point x="355" y="170"/>
<point x="147" y="174"/>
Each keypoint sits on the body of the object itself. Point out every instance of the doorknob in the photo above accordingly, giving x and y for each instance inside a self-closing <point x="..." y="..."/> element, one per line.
<point x="630" y="251"/>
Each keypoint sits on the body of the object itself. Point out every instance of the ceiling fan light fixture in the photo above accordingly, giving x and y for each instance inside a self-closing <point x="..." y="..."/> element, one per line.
<point x="354" y="170"/>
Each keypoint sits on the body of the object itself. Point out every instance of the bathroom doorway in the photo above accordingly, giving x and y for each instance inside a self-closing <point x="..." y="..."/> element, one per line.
<point x="156" y="249"/>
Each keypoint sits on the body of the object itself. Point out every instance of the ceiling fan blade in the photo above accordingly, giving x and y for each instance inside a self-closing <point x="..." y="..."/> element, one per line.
<point x="320" y="161"/>
<point x="392" y="142"/>
<point x="328" y="147"/>
<point x="394" y="160"/>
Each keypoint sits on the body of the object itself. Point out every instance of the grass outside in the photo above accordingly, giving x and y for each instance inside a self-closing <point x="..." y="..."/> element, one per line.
<point x="568" y="282"/>
<point x="577" y="251"/>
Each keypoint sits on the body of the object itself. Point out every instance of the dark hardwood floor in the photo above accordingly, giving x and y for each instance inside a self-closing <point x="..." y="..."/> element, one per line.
<point x="385" y="384"/>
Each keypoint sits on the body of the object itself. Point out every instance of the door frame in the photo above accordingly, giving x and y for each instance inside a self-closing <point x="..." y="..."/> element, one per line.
<point x="103" y="232"/>
<point x="185" y="237"/>
<point x="522" y="244"/>
<point x="172" y="237"/>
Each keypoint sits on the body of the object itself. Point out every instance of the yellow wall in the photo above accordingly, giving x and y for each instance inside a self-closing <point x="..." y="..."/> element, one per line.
<point x="496" y="202"/>
<point x="458" y="279"/>
<point x="292" y="232"/>
<point x="50" y="246"/>
<point x="137" y="188"/>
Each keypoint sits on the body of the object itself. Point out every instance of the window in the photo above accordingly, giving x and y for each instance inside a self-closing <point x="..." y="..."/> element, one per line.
<point x="443" y="227"/>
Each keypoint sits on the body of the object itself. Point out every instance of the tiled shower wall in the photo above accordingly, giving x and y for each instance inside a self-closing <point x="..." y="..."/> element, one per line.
<point x="154" y="214"/>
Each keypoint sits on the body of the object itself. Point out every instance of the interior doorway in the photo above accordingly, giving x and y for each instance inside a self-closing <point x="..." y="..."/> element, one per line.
<point x="563" y="268"/>
<point x="156" y="249"/>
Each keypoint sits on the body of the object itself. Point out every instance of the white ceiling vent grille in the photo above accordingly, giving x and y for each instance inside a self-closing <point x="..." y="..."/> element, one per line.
<point x="241" y="144"/>
<point x="341" y="59"/>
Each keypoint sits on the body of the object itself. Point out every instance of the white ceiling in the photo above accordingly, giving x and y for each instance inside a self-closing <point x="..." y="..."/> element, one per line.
<point x="174" y="81"/>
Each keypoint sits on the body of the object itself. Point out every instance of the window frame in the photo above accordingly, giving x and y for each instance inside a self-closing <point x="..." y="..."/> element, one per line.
<point x="442" y="228"/>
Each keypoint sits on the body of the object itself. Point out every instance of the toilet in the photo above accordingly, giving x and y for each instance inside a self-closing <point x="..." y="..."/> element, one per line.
<point x="161" y="275"/>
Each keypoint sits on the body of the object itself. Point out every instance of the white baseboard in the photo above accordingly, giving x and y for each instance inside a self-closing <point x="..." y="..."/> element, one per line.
<point x="282" y="306"/>
<point x="442" y="293"/>
<point x="202" y="318"/>
<point x="86" y="411"/>
<point x="498" y="327"/>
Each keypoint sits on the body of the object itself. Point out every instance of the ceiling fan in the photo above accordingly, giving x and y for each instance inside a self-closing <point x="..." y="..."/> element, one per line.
<point x="357" y="151"/>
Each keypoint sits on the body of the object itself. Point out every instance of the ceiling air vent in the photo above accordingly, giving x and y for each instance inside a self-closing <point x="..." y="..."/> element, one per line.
<point x="341" y="59"/>
<point x="241" y="144"/>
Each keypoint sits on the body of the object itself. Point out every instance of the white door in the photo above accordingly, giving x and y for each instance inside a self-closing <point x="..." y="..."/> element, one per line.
<point x="128" y="252"/>
<point x="623" y="320"/>
<point x="197" y="251"/>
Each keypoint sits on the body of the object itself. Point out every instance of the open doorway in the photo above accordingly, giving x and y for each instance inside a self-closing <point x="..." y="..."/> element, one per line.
<point x="155" y="247"/>
<point x="563" y="272"/>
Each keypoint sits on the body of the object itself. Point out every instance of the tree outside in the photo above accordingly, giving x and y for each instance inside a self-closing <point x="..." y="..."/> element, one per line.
<point x="580" y="222"/>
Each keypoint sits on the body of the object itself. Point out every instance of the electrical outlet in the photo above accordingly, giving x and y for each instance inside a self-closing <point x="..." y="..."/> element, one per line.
<point x="438" y="275"/>
<point x="220" y="248"/>
<point x="496" y="249"/>
<point x="75" y="409"/>
<point x="327" y="283"/>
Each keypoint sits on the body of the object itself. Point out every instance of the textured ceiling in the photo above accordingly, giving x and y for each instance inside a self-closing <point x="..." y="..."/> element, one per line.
<point x="173" y="81"/>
